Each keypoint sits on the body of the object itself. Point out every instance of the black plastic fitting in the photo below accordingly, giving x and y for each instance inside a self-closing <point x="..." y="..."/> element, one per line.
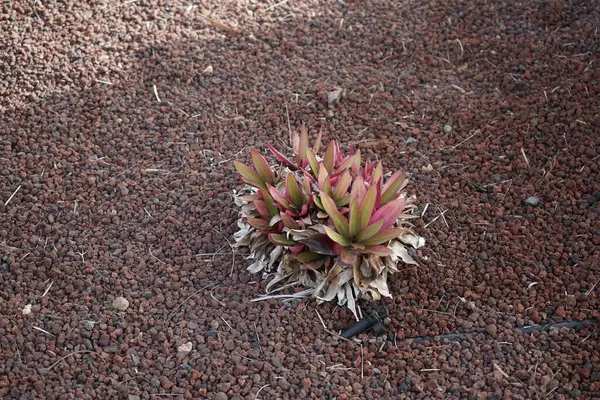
<point x="374" y="320"/>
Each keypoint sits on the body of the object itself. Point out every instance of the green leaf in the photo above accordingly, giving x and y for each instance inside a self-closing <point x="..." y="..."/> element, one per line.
<point x="258" y="223"/>
<point x="262" y="209"/>
<point x="354" y="223"/>
<point x="249" y="176"/>
<point x="314" y="164"/>
<point x="392" y="186"/>
<point x="288" y="221"/>
<point x="369" y="231"/>
<point x="293" y="191"/>
<point x="262" y="167"/>
<point x="367" y="205"/>
<point x="343" y="201"/>
<point x="383" y="236"/>
<point x="358" y="189"/>
<point x="307" y="256"/>
<point x="317" y="145"/>
<point x="324" y="182"/>
<point x="378" y="174"/>
<point x="270" y="203"/>
<point x="340" y="222"/>
<point x="349" y="162"/>
<point x="281" y="240"/>
<point x="329" y="157"/>
<point x="279" y="197"/>
<point x="318" y="202"/>
<point x="336" y="237"/>
<point x="342" y="186"/>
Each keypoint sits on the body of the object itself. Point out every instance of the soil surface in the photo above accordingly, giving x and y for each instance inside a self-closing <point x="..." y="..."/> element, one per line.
<point x="120" y="119"/>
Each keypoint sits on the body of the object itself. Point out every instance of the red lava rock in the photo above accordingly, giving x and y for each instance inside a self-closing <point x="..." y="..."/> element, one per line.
<point x="125" y="190"/>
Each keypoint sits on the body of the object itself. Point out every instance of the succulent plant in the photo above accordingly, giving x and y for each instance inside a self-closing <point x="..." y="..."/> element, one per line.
<point x="326" y="223"/>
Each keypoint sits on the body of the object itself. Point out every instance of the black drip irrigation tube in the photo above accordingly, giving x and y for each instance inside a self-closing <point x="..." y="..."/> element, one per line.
<point x="526" y="329"/>
<point x="377" y="320"/>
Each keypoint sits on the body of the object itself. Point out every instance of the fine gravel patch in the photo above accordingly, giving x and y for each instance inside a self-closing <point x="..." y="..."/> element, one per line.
<point x="116" y="211"/>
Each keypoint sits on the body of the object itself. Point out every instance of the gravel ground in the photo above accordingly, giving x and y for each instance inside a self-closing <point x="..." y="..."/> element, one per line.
<point x="119" y="123"/>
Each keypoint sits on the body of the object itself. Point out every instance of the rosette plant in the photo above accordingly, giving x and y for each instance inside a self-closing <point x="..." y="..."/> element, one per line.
<point x="327" y="223"/>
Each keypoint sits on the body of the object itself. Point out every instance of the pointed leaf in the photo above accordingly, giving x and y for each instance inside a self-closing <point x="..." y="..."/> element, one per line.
<point x="293" y="191"/>
<point x="312" y="161"/>
<point x="303" y="147"/>
<point x="354" y="219"/>
<point x="295" y="142"/>
<point x="358" y="189"/>
<point x="380" y="251"/>
<point x="324" y="182"/>
<point x="249" y="176"/>
<point x="279" y="197"/>
<point x="288" y="221"/>
<point x="348" y="162"/>
<point x="307" y="256"/>
<point x="262" y="209"/>
<point x="383" y="236"/>
<point x="342" y="185"/>
<point x="281" y="157"/>
<point x="340" y="222"/>
<point x="317" y="145"/>
<point x="367" y="205"/>
<point x="306" y="188"/>
<point x="258" y="223"/>
<point x="356" y="165"/>
<point x="392" y="186"/>
<point x="269" y="202"/>
<point x="389" y="213"/>
<point x="249" y="197"/>
<point x="281" y="240"/>
<point x="318" y="202"/>
<point x="329" y="157"/>
<point x="378" y="174"/>
<point x="336" y="237"/>
<point x="369" y="231"/>
<point x="343" y="201"/>
<point x="262" y="167"/>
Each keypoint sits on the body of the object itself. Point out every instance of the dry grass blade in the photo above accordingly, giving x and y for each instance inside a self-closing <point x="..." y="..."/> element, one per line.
<point x="189" y="297"/>
<point x="219" y="24"/>
<point x="71" y="354"/>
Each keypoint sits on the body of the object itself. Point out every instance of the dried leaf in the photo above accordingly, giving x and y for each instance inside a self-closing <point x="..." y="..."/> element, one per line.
<point x="400" y="252"/>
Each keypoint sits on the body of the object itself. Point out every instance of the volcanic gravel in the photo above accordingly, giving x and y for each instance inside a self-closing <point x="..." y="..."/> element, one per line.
<point x="119" y="124"/>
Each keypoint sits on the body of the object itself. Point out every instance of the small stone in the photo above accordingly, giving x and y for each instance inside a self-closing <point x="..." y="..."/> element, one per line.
<point x="532" y="201"/>
<point x="491" y="329"/>
<point x="411" y="140"/>
<point x="220" y="396"/>
<point x="26" y="310"/>
<point x="133" y="397"/>
<point x="448" y="129"/>
<point x="334" y="97"/>
<point x="330" y="114"/>
<point x="89" y="325"/>
<point x="120" y="303"/>
<point x="185" y="348"/>
<point x="560" y="312"/>
<point x="208" y="71"/>
<point x="214" y="324"/>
